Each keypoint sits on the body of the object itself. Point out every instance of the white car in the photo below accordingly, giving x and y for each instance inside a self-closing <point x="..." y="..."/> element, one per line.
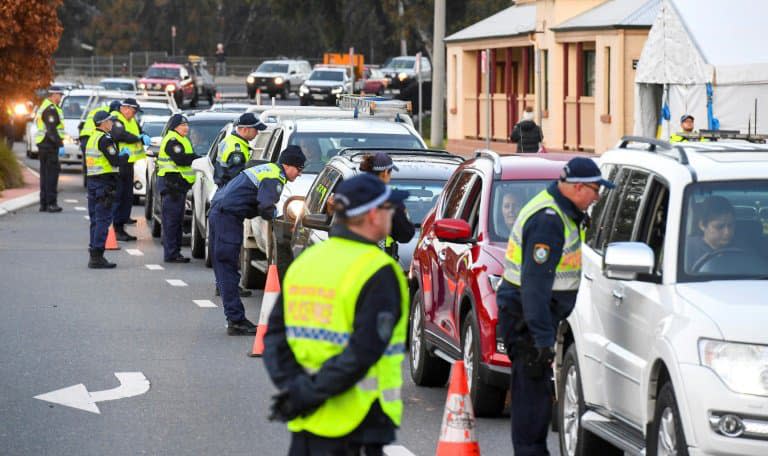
<point x="152" y="125"/>
<point x="127" y="85"/>
<point x="275" y="77"/>
<point x="666" y="351"/>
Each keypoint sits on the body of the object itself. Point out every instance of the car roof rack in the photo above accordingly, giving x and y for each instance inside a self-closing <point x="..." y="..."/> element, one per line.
<point x="656" y="146"/>
<point x="279" y="113"/>
<point x="373" y="105"/>
<point x="352" y="152"/>
<point x="488" y="153"/>
<point x="714" y="135"/>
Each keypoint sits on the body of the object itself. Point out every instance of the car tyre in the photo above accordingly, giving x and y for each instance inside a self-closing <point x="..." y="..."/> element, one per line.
<point x="156" y="227"/>
<point x="286" y="92"/>
<point x="251" y="277"/>
<point x="197" y="241"/>
<point x="426" y="369"/>
<point x="303" y="102"/>
<point x="487" y="400"/>
<point x="195" y="99"/>
<point x="211" y="96"/>
<point x="179" y="97"/>
<point x="148" y="203"/>
<point x="666" y="435"/>
<point x="251" y="94"/>
<point x="208" y="259"/>
<point x="574" y="439"/>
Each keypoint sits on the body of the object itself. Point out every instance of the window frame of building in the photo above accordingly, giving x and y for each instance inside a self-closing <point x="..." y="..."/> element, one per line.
<point x="588" y="83"/>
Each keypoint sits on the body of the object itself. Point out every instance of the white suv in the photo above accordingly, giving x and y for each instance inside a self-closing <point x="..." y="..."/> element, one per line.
<point x="666" y="351"/>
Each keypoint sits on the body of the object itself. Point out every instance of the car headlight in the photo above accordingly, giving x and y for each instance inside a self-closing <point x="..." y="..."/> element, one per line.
<point x="142" y="86"/>
<point x="742" y="367"/>
<point x="170" y="88"/>
<point x="20" y="109"/>
<point x="337" y="90"/>
<point x="279" y="80"/>
<point x="293" y="208"/>
<point x="250" y="79"/>
<point x="303" y="90"/>
<point x="495" y="281"/>
<point x="68" y="140"/>
<point x="402" y="76"/>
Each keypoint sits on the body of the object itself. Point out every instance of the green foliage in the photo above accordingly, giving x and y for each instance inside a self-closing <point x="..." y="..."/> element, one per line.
<point x="10" y="171"/>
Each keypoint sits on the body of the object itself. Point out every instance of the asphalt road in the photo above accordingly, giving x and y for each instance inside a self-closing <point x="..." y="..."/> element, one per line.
<point x="65" y="325"/>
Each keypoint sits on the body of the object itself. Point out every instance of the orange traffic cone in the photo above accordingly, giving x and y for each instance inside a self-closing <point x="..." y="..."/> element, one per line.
<point x="457" y="434"/>
<point x="111" y="243"/>
<point x="271" y="291"/>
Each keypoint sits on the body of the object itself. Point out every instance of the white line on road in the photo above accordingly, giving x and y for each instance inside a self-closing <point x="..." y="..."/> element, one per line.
<point x="70" y="201"/>
<point x="204" y="303"/>
<point x="397" y="450"/>
<point x="176" y="282"/>
<point x="80" y="208"/>
<point x="134" y="252"/>
<point x="154" y="267"/>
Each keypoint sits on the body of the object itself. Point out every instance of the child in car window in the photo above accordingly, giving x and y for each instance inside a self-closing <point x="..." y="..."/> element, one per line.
<point x="716" y="221"/>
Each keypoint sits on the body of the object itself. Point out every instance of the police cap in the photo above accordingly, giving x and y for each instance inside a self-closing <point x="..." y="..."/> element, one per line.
<point x="364" y="192"/>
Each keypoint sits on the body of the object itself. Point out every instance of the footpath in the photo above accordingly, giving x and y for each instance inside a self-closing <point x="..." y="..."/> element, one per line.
<point x="13" y="199"/>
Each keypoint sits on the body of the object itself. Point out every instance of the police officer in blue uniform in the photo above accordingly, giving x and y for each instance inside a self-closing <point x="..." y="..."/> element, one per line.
<point x="541" y="278"/>
<point x="127" y="134"/>
<point x="235" y="150"/>
<point x="50" y="146"/>
<point x="102" y="157"/>
<point x="174" y="179"/>
<point x="253" y="192"/>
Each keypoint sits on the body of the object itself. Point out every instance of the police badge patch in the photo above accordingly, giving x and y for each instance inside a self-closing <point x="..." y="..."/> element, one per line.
<point x="540" y="253"/>
<point x="112" y="150"/>
<point x="177" y="148"/>
<point x="279" y="188"/>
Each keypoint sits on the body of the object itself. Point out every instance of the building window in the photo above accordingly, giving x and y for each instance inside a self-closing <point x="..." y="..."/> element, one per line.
<point x="531" y="69"/>
<point x="607" y="79"/>
<point x="589" y="74"/>
<point x="545" y="76"/>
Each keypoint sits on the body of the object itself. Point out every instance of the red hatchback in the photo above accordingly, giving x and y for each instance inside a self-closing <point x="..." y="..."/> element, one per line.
<point x="458" y="263"/>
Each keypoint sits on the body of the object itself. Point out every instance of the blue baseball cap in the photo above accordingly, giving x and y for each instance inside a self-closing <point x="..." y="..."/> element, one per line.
<point x="102" y="116"/>
<point x="580" y="170"/>
<point x="176" y="120"/>
<point x="249" y="120"/>
<point x="114" y="105"/>
<point x="364" y="192"/>
<point x="686" y="116"/>
<point x="292" y="156"/>
<point x="383" y="162"/>
<point x="131" y="103"/>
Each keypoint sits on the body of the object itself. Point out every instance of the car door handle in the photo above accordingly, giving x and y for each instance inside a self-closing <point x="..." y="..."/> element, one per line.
<point x="589" y="276"/>
<point x="441" y="255"/>
<point x="617" y="294"/>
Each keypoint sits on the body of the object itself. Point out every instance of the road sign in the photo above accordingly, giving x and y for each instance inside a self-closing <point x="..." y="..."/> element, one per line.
<point x="77" y="396"/>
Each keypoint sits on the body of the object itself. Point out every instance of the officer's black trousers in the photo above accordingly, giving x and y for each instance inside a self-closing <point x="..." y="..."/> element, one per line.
<point x="531" y="410"/>
<point x="173" y="218"/>
<point x="121" y="210"/>
<point x="306" y="444"/>
<point x="49" y="174"/>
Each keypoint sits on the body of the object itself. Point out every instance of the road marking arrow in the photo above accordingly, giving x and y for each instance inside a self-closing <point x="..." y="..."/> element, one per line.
<point x="77" y="396"/>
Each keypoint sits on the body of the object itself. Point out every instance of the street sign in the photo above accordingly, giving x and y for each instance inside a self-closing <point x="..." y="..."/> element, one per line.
<point x="77" y="396"/>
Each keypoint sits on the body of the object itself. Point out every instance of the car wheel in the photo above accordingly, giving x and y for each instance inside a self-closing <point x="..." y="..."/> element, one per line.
<point x="282" y="256"/>
<point x="487" y="400"/>
<point x="426" y="369"/>
<point x="666" y="437"/>
<point x="208" y="260"/>
<point x="251" y="94"/>
<point x="156" y="227"/>
<point x="197" y="242"/>
<point x="575" y="440"/>
<point x="148" y="203"/>
<point x="179" y="97"/>
<point x="286" y="91"/>
<point x="195" y="99"/>
<point x="303" y="102"/>
<point x="211" y="96"/>
<point x="251" y="277"/>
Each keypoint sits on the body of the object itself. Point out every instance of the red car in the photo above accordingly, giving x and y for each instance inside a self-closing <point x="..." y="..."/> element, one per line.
<point x="187" y="82"/>
<point x="375" y="81"/>
<point x="458" y="264"/>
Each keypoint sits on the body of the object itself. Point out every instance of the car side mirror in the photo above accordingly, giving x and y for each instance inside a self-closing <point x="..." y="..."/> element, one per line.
<point x="453" y="230"/>
<point x="316" y="221"/>
<point x="203" y="166"/>
<point x="625" y="260"/>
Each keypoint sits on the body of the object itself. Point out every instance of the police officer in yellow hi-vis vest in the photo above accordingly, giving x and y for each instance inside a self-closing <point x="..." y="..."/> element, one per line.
<point x="128" y="136"/>
<point x="336" y="337"/>
<point x="87" y="127"/>
<point x="235" y="150"/>
<point x="101" y="156"/>
<point x="174" y="179"/>
<point x="252" y="193"/>
<point x="541" y="277"/>
<point x="49" y="138"/>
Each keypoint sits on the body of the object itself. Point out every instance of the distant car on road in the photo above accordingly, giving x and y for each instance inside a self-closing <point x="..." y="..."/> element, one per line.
<point x="402" y="70"/>
<point x="277" y="77"/>
<point x="325" y="84"/>
<point x="375" y="81"/>
<point x="121" y="84"/>
<point x="152" y="126"/>
<point x="187" y="82"/>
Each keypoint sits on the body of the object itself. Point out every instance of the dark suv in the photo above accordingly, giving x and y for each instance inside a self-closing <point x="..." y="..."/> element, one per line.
<point x="458" y="264"/>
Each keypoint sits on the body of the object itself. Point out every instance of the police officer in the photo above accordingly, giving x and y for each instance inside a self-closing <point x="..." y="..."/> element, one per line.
<point x="336" y="337"/>
<point x="174" y="178"/>
<point x="49" y="138"/>
<point x="127" y="133"/>
<point x="381" y="165"/>
<point x="253" y="192"/>
<point x="235" y="150"/>
<point x="541" y="277"/>
<point x="686" y="126"/>
<point x="101" y="156"/>
<point x="87" y="127"/>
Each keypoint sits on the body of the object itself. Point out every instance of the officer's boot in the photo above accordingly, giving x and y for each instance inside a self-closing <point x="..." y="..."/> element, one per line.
<point x="122" y="235"/>
<point x="98" y="261"/>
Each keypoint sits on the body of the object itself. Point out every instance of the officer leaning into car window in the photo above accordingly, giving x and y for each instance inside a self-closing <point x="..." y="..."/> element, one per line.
<point x="235" y="150"/>
<point x="49" y="138"/>
<point x="254" y="192"/>
<point x="174" y="179"/>
<point x="127" y="133"/>
<point x="102" y="159"/>
<point x="336" y="337"/>
<point x="541" y="277"/>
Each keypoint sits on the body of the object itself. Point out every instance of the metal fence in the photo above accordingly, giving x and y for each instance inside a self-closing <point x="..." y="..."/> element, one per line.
<point x="134" y="64"/>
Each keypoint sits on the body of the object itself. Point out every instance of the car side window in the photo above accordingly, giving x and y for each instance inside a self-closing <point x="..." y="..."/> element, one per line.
<point x="597" y="213"/>
<point x="213" y="151"/>
<point x="602" y="226"/>
<point x="471" y="211"/>
<point x="628" y="207"/>
<point x="654" y="223"/>
<point x="274" y="145"/>
<point x="321" y="189"/>
<point x="452" y="207"/>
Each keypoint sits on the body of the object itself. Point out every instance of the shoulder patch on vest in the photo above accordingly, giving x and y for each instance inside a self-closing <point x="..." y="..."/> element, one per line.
<point x="51" y="118"/>
<point x="550" y="211"/>
<point x="112" y="150"/>
<point x="177" y="148"/>
<point x="236" y="159"/>
<point x="540" y="253"/>
<point x="279" y="188"/>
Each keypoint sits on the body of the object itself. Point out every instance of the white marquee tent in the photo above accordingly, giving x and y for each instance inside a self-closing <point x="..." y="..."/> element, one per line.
<point x="693" y="43"/>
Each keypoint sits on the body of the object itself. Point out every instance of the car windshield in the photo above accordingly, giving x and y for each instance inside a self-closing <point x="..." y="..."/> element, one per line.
<point x="507" y="198"/>
<point x="322" y="75"/>
<point x="153" y="128"/>
<point x="402" y="64"/>
<point x="73" y="107"/>
<point x="116" y="85"/>
<point x="156" y="111"/>
<point x="725" y="231"/>
<point x="162" y="73"/>
<point x="202" y="134"/>
<point x="320" y="147"/>
<point x="267" y="67"/>
<point x="423" y="194"/>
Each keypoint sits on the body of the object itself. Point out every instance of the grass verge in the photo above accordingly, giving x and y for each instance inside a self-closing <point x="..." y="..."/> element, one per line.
<point x="10" y="170"/>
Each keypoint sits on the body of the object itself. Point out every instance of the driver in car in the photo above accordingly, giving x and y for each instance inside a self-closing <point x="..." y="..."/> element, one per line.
<point x="716" y="221"/>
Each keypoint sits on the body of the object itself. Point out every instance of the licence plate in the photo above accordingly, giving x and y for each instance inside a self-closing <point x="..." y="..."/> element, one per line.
<point x="318" y="96"/>
<point x="263" y="87"/>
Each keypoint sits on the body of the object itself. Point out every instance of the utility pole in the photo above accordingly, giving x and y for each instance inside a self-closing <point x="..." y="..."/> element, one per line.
<point x="438" y="76"/>
<point x="403" y="42"/>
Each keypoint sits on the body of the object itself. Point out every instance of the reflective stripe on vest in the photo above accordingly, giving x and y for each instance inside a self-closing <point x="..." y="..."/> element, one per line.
<point x="132" y="127"/>
<point x="166" y="165"/>
<point x="95" y="161"/>
<point x="228" y="146"/>
<point x="89" y="126"/>
<point x="41" y="130"/>
<point x="568" y="271"/>
<point x="266" y="171"/>
<point x="319" y="308"/>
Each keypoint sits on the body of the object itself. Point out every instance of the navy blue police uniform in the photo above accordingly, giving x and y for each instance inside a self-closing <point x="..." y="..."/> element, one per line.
<point x="101" y="194"/>
<point x="245" y="197"/>
<point x="48" y="152"/>
<point x="229" y="163"/>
